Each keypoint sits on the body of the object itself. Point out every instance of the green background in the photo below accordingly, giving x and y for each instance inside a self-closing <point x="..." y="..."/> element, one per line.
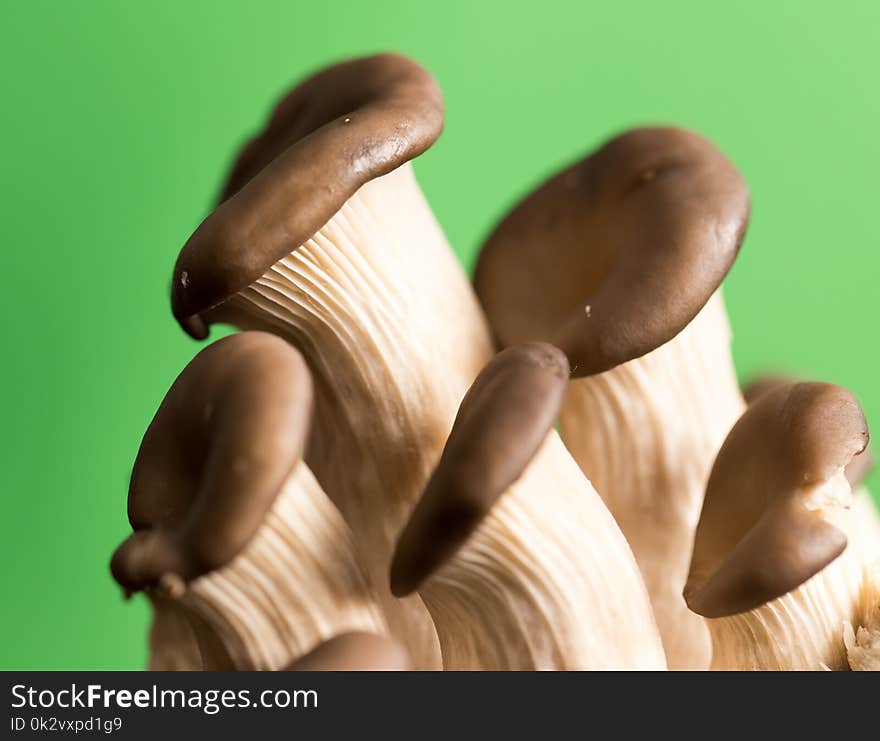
<point x="118" y="120"/>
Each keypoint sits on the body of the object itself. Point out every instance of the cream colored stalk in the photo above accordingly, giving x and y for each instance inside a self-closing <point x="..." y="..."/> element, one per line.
<point x="647" y="432"/>
<point x="862" y="634"/>
<point x="862" y="637"/>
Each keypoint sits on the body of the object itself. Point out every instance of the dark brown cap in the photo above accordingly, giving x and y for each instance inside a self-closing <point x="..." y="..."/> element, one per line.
<point x="859" y="467"/>
<point x="339" y="129"/>
<point x="614" y="256"/>
<point x="757" y="538"/>
<point x="503" y="420"/>
<point x="354" y="652"/>
<point x="215" y="457"/>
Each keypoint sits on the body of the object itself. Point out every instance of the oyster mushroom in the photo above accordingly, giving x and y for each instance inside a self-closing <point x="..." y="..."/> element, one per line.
<point x="771" y="568"/>
<point x="246" y="561"/>
<point x="354" y="652"/>
<point x="861" y="637"/>
<point x="326" y="240"/>
<point x="515" y="555"/>
<point x="618" y="261"/>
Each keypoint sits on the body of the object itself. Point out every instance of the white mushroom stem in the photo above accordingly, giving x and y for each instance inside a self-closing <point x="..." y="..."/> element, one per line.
<point x="866" y="521"/>
<point x="546" y="582"/>
<point x="297" y="583"/>
<point x="803" y="629"/>
<point x="646" y="434"/>
<point x="862" y="635"/>
<point x="386" y="319"/>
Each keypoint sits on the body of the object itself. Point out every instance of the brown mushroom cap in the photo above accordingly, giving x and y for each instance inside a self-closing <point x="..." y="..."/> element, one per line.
<point x="859" y="467"/>
<point x="615" y="255"/>
<point x="341" y="128"/>
<point x="354" y="652"/>
<point x="756" y="539"/>
<point x="502" y="422"/>
<point x="215" y="457"/>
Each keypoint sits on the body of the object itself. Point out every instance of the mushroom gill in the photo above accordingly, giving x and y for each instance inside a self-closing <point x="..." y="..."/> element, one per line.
<point x="513" y="552"/>
<point x="247" y="563"/>
<point x="861" y="636"/>
<point x="618" y="261"/>
<point x="771" y="569"/>
<point x="326" y="240"/>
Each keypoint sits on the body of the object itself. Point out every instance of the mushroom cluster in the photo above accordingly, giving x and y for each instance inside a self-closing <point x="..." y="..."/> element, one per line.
<point x="389" y="467"/>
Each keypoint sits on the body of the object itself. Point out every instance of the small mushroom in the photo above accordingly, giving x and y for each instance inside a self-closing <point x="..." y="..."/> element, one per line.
<point x="618" y="261"/>
<point x="862" y="637"/>
<point x="326" y="240"/>
<point x="246" y="561"/>
<point x="514" y="553"/>
<point x="364" y="652"/>
<point x="769" y="566"/>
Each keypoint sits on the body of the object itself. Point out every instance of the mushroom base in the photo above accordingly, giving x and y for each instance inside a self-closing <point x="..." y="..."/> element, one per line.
<point x="296" y="584"/>
<point x="862" y="635"/>
<point x="393" y="335"/>
<point x="546" y="582"/>
<point x="866" y="521"/>
<point x="646" y="434"/>
<point x="862" y="638"/>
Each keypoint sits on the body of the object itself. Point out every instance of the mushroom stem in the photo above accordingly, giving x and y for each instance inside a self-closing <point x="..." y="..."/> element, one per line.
<point x="862" y="638"/>
<point x="390" y="328"/>
<point x="519" y="561"/>
<point x="866" y="519"/>
<point x="296" y="584"/>
<point x="647" y="432"/>
<point x="862" y="633"/>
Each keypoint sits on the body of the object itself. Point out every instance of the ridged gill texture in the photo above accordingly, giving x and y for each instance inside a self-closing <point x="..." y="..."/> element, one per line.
<point x="862" y="635"/>
<point x="297" y="583"/>
<point x="804" y="629"/>
<point x="646" y="434"/>
<point x="546" y="582"/>
<point x="387" y="321"/>
<point x="862" y="638"/>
